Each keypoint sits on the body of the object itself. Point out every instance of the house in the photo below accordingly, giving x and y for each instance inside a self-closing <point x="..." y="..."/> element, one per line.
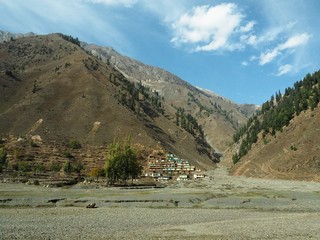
<point x="155" y="175"/>
<point x="199" y="176"/>
<point x="183" y="177"/>
<point x="168" y="164"/>
<point x="164" y="178"/>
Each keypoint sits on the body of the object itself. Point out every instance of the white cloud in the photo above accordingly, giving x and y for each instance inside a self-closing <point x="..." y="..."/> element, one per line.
<point x="244" y="63"/>
<point x="284" y="69"/>
<point x="126" y="3"/>
<point x="248" y="27"/>
<point x="268" y="56"/>
<point x="210" y="28"/>
<point x="270" y="35"/>
<point x="292" y="42"/>
<point x="295" y="41"/>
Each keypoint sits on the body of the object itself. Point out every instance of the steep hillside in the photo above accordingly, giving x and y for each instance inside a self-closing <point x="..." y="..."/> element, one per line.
<point x="218" y="116"/>
<point x="282" y="140"/>
<point x="52" y="87"/>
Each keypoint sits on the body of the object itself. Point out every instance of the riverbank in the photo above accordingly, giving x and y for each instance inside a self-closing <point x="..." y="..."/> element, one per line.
<point x="219" y="207"/>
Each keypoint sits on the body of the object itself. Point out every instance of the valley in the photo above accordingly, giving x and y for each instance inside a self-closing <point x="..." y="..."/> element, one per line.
<point x="219" y="207"/>
<point x="135" y="119"/>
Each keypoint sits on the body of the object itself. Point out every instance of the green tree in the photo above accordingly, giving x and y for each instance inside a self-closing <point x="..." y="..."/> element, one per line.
<point x="55" y="167"/>
<point x="235" y="158"/>
<point x="24" y="166"/>
<point x="3" y="159"/>
<point x="121" y="162"/>
<point x="38" y="168"/>
<point x="78" y="167"/>
<point x="67" y="168"/>
<point x="74" y="144"/>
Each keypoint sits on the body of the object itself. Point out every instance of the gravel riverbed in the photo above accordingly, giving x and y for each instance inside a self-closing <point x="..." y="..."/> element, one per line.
<point x="220" y="207"/>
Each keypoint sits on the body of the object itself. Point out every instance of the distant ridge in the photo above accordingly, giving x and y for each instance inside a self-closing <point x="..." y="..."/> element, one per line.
<point x="7" y="36"/>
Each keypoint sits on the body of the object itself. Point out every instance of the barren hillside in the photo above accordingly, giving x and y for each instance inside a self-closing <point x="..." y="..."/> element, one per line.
<point x="219" y="116"/>
<point x="53" y="88"/>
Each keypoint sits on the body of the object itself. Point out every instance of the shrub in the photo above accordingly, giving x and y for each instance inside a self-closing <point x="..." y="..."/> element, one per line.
<point x="15" y="167"/>
<point x="74" y="144"/>
<point x="67" y="168"/>
<point x="39" y="168"/>
<point x="68" y="155"/>
<point x="17" y="154"/>
<point x="78" y="167"/>
<point x="97" y="172"/>
<point x="24" y="166"/>
<point x="293" y="147"/>
<point x="32" y="143"/>
<point x="55" y="167"/>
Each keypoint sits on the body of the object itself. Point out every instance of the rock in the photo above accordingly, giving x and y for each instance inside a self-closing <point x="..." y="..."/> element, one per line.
<point x="91" y="205"/>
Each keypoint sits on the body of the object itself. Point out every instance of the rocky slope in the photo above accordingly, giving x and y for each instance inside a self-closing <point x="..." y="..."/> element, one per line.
<point x="218" y="116"/>
<point x="7" y="36"/>
<point x="52" y="87"/>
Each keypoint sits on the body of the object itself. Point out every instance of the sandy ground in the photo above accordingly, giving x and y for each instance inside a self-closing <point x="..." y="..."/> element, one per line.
<point x="224" y="207"/>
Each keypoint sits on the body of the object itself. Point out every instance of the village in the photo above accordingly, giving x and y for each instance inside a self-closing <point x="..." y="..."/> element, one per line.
<point x="164" y="166"/>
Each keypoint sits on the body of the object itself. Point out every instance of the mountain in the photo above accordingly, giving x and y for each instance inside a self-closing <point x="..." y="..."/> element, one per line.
<point x="7" y="36"/>
<point x="51" y="87"/>
<point x="282" y="139"/>
<point x="219" y="117"/>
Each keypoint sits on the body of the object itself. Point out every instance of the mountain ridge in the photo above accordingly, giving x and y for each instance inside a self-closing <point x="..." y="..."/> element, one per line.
<point x="213" y="112"/>
<point x="53" y="88"/>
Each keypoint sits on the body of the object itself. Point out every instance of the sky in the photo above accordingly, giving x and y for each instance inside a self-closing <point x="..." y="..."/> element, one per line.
<point x="243" y="50"/>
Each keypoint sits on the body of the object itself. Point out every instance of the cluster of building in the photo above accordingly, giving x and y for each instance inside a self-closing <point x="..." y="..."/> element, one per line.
<point x="165" y="166"/>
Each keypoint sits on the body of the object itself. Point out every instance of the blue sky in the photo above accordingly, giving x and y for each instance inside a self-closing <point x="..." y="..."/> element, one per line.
<point x="242" y="50"/>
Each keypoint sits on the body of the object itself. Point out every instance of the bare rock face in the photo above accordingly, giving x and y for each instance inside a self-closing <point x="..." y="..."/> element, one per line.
<point x="7" y="36"/>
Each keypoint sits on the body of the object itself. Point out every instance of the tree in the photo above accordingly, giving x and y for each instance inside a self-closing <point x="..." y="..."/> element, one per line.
<point x="74" y="144"/>
<point x="55" y="167"/>
<point x="67" y="168"/>
<point x="235" y="158"/>
<point x="78" y="167"/>
<point x="3" y="159"/>
<point x="122" y="162"/>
